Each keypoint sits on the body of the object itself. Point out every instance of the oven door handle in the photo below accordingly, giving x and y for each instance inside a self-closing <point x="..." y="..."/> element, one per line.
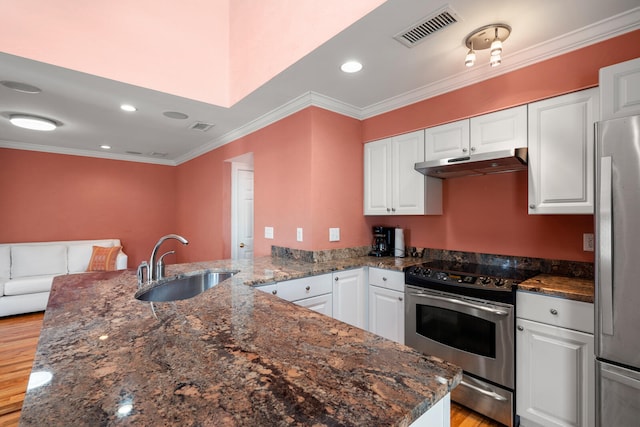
<point x="491" y="394"/>
<point x="492" y="310"/>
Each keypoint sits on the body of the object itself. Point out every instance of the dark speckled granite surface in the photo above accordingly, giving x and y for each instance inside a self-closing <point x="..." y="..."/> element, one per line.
<point x="230" y="356"/>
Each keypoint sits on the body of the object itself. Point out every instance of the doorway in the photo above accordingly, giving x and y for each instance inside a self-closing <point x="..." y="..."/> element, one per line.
<point x="242" y="235"/>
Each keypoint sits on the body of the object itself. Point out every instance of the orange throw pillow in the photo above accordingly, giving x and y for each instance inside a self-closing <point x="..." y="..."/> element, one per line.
<point x="103" y="259"/>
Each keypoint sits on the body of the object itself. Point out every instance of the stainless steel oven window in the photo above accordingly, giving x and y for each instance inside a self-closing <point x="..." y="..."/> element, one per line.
<point x="455" y="329"/>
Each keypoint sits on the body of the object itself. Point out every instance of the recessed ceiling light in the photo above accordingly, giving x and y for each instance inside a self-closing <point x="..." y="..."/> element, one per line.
<point x="351" y="67"/>
<point x="20" y="87"/>
<point x="105" y="147"/>
<point x="32" y="122"/>
<point x="128" y="107"/>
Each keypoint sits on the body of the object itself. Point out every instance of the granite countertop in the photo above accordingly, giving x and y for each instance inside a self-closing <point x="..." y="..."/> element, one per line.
<point x="230" y="356"/>
<point x="573" y="288"/>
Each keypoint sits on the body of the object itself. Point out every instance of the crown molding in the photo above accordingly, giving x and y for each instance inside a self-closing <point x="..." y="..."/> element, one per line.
<point x="83" y="153"/>
<point x="306" y="100"/>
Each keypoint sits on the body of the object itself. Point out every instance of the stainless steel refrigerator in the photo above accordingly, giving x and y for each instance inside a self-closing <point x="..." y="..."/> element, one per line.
<point x="617" y="302"/>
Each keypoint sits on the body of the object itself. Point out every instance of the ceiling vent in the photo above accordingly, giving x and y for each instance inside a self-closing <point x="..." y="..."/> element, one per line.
<point x="416" y="33"/>
<point x="202" y="126"/>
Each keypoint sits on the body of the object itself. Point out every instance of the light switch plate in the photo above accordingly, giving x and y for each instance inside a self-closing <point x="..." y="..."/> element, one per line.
<point x="334" y="234"/>
<point x="588" y="244"/>
<point x="268" y="232"/>
<point x="299" y="234"/>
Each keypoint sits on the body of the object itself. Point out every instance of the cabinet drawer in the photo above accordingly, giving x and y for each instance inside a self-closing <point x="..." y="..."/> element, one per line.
<point x="555" y="311"/>
<point x="387" y="279"/>
<point x="306" y="287"/>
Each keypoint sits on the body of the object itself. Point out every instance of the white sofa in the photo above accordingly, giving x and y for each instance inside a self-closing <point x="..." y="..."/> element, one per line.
<point x="27" y="270"/>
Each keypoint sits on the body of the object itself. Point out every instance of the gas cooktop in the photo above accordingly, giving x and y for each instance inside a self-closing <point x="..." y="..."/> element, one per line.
<point x="478" y="280"/>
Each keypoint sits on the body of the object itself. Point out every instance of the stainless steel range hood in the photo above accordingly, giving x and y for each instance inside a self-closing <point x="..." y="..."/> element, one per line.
<point x="477" y="164"/>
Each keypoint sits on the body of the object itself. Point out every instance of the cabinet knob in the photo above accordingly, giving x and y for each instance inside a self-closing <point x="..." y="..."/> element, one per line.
<point x="384" y="279"/>
<point x="399" y="298"/>
<point x="473" y="149"/>
<point x="520" y="328"/>
<point x="388" y="210"/>
<point x="532" y="206"/>
<point x="336" y="279"/>
<point x="553" y="311"/>
<point x="464" y="150"/>
<point x="393" y="209"/>
<point x="275" y="291"/>
<point x="308" y="288"/>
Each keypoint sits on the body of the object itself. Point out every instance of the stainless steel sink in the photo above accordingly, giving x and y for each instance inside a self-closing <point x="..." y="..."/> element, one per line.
<point x="173" y="289"/>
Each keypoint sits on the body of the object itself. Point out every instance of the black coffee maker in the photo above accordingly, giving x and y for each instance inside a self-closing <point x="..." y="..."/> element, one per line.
<point x="382" y="241"/>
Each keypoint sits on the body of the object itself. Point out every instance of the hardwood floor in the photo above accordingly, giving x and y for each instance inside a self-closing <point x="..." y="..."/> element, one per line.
<point x="18" y="342"/>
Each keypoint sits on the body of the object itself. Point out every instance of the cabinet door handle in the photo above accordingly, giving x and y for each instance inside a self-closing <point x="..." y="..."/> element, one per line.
<point x="532" y="206"/>
<point x="275" y="291"/>
<point x="520" y="328"/>
<point x="464" y="150"/>
<point x="399" y="298"/>
<point x="388" y="210"/>
<point x="553" y="311"/>
<point x="336" y="279"/>
<point x="393" y="209"/>
<point x="473" y="149"/>
<point x="308" y="288"/>
<point x="384" y="279"/>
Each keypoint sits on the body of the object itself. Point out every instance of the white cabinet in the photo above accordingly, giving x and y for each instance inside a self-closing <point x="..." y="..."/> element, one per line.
<point x="350" y="297"/>
<point x="554" y="362"/>
<point x="620" y="89"/>
<point x="391" y="184"/>
<point x="445" y="141"/>
<point x="561" y="153"/>
<point x="502" y="130"/>
<point x="313" y="292"/>
<point x="386" y="303"/>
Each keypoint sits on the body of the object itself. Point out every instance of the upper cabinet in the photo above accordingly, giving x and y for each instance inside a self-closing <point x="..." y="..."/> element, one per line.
<point x="445" y="141"/>
<point x="561" y="144"/>
<point x="501" y="130"/>
<point x="620" y="89"/>
<point x="391" y="184"/>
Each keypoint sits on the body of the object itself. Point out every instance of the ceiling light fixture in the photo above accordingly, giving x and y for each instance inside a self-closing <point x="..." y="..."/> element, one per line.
<point x="32" y="122"/>
<point x="351" y="67"/>
<point x="487" y="37"/>
<point x="129" y="108"/>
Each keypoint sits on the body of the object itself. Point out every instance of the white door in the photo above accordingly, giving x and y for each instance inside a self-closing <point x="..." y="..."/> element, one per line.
<point x="242" y="215"/>
<point x="554" y="376"/>
<point x="386" y="313"/>
<point x="350" y="298"/>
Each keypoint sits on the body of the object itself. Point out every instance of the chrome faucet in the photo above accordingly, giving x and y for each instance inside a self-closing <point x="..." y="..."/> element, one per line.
<point x="155" y="269"/>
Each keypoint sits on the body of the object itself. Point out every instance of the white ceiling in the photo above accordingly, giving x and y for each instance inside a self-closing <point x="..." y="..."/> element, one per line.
<point x="393" y="76"/>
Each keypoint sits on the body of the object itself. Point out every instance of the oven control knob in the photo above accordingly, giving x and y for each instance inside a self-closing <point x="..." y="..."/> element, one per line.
<point x="500" y="282"/>
<point x="485" y="280"/>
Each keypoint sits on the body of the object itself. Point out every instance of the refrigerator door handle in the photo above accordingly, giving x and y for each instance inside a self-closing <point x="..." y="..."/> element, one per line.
<point x="605" y="257"/>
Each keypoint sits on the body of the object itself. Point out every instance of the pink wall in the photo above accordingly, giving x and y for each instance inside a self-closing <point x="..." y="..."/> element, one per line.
<point x="60" y="197"/>
<point x="307" y="173"/>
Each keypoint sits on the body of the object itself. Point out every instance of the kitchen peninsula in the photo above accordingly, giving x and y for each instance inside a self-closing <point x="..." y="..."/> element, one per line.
<point x="230" y="356"/>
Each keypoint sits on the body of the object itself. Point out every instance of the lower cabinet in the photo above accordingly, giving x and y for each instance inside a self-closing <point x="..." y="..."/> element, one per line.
<point x="554" y="362"/>
<point x="313" y="292"/>
<point x="350" y="297"/>
<point x="386" y="304"/>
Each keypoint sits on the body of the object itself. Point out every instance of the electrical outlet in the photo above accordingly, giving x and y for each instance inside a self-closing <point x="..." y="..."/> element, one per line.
<point x="299" y="234"/>
<point x="588" y="244"/>
<point x="334" y="234"/>
<point x="268" y="232"/>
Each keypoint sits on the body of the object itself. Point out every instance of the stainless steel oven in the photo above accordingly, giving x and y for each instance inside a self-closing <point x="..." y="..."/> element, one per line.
<point x="465" y="314"/>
